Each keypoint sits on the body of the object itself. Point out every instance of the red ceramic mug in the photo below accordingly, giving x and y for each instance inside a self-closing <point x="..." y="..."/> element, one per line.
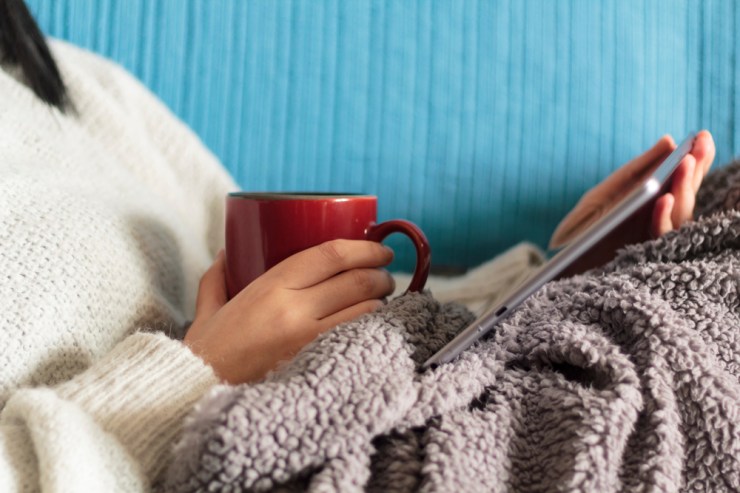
<point x="262" y="229"/>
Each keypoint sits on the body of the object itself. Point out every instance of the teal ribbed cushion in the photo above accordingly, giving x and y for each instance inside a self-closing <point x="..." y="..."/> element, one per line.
<point x="482" y="121"/>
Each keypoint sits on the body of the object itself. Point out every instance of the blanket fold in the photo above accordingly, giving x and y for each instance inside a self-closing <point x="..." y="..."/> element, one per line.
<point x="626" y="378"/>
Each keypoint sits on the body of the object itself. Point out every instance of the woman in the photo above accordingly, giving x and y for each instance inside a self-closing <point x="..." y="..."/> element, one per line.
<point x="111" y="210"/>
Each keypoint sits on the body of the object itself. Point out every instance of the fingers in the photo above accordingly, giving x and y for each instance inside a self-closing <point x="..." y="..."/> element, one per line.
<point x="604" y="196"/>
<point x="348" y="289"/>
<point x="635" y="170"/>
<point x="704" y="152"/>
<point x="212" y="289"/>
<point x="661" y="221"/>
<point x="683" y="192"/>
<point x="317" y="264"/>
<point x="351" y="313"/>
<point x="675" y="208"/>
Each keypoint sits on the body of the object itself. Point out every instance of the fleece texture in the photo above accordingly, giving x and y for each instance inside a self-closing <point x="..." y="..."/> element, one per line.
<point x="626" y="378"/>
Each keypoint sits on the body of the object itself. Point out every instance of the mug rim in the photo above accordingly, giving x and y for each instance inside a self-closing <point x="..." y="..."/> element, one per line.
<point x="300" y="195"/>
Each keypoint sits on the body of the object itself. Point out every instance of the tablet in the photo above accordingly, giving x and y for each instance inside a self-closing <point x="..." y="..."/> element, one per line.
<point x="649" y="190"/>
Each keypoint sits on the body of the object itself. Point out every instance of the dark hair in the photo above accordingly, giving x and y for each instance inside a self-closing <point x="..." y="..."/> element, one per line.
<point x="22" y="44"/>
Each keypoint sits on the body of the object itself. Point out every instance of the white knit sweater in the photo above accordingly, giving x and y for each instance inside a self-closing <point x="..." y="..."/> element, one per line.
<point x="108" y="218"/>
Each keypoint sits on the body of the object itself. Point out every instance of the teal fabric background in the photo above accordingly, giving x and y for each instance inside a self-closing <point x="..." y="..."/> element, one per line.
<point x="482" y="121"/>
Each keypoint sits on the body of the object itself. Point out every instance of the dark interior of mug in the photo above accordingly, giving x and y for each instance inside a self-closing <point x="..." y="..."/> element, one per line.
<point x="295" y="195"/>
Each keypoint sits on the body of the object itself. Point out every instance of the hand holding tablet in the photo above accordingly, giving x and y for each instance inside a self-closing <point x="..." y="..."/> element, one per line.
<point x="581" y="235"/>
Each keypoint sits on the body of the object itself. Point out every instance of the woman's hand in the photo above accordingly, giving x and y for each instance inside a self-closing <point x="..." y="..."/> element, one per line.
<point x="673" y="209"/>
<point x="669" y="211"/>
<point x="287" y="307"/>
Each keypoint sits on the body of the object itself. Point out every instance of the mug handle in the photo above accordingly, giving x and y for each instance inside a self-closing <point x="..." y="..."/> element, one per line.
<point x="378" y="232"/>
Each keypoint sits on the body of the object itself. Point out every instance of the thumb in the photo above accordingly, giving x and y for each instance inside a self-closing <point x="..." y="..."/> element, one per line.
<point x="212" y="289"/>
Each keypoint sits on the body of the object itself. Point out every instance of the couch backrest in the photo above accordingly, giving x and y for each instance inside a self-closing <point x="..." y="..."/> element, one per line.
<point x="482" y="121"/>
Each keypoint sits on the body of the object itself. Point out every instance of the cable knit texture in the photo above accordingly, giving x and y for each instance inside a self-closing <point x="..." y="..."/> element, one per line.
<point x="625" y="378"/>
<point x="109" y="215"/>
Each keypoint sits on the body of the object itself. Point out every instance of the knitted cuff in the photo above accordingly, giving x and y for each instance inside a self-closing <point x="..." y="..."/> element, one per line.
<point x="140" y="392"/>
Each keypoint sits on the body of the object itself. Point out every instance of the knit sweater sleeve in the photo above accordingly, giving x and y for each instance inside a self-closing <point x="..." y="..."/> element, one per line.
<point x="109" y="216"/>
<point x="108" y="429"/>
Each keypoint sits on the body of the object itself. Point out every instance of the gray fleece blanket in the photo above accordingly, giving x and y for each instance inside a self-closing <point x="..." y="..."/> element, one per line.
<point x="626" y="378"/>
